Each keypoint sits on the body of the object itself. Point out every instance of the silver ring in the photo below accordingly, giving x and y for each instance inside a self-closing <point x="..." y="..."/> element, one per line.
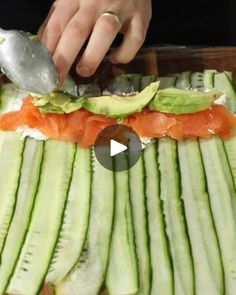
<point x="112" y="14"/>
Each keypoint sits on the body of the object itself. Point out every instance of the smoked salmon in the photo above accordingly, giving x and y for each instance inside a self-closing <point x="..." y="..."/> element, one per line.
<point x="83" y="126"/>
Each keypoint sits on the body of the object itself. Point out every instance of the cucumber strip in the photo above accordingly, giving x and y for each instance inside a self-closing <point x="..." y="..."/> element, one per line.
<point x="230" y="147"/>
<point x="147" y="80"/>
<point x="40" y="241"/>
<point x="223" y="83"/>
<point x="11" y="150"/>
<point x="230" y="75"/>
<point x="197" y="81"/>
<point x="88" y="90"/>
<point x="28" y="184"/>
<point x="162" y="277"/>
<point x="138" y="204"/>
<point x="75" y="221"/>
<point x="69" y="86"/>
<point x="122" y="273"/>
<point x="88" y="276"/>
<point x="183" y="80"/>
<point x="125" y="83"/>
<point x="166" y="82"/>
<point x="11" y="97"/>
<point x="205" y="248"/>
<point x="120" y="84"/>
<point x="174" y="217"/>
<point x="222" y="199"/>
<point x="208" y="79"/>
<point x="135" y="80"/>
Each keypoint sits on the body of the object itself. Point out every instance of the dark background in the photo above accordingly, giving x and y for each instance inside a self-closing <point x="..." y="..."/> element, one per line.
<point x="174" y="22"/>
<point x="193" y="22"/>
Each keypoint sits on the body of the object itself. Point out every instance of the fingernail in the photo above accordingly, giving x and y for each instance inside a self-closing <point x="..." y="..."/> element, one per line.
<point x="84" y="72"/>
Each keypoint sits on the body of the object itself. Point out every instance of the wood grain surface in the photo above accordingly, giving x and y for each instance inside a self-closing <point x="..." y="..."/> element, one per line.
<point x="168" y="60"/>
<point x="172" y="60"/>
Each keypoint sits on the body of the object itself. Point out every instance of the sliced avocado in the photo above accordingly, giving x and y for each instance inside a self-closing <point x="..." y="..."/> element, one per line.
<point x="121" y="106"/>
<point x="34" y="37"/>
<point x="178" y="101"/>
<point x="58" y="102"/>
<point x="73" y="105"/>
<point x="59" y="99"/>
<point x="50" y="108"/>
<point x="40" y="101"/>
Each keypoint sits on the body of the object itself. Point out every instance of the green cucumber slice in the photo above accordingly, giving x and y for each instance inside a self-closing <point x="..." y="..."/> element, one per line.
<point x="208" y="79"/>
<point x="183" y="80"/>
<point x="146" y="80"/>
<point x="135" y="80"/>
<point x="119" y="84"/>
<point x="230" y="147"/>
<point x="162" y="276"/>
<point x="28" y="184"/>
<point x="166" y="82"/>
<point x="40" y="241"/>
<point x="75" y="221"/>
<point x="230" y="75"/>
<point x="223" y="203"/>
<point x="222" y="82"/>
<point x="174" y="217"/>
<point x="204" y="243"/>
<point x="197" y="81"/>
<point x="138" y="202"/>
<point x="69" y="86"/>
<point x="122" y="273"/>
<point x="11" y="150"/>
<point x="88" y="276"/>
<point x="125" y="83"/>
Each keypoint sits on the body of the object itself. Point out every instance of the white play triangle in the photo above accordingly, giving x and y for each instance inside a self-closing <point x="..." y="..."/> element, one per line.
<point x="116" y="147"/>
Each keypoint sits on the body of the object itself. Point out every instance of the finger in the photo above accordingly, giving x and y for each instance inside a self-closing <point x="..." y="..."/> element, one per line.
<point x="104" y="32"/>
<point x="44" y="24"/>
<point x="74" y="36"/>
<point x="61" y="15"/>
<point x="134" y="38"/>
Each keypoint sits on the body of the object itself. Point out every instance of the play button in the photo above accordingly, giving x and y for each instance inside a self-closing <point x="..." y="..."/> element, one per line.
<point x="118" y="147"/>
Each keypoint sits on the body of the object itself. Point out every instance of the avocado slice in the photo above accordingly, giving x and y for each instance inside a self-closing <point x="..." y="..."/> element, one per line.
<point x="121" y="106"/>
<point x="179" y="101"/>
<point x="58" y="102"/>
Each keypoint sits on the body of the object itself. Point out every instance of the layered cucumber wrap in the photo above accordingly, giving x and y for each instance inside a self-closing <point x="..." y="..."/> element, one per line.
<point x="166" y="226"/>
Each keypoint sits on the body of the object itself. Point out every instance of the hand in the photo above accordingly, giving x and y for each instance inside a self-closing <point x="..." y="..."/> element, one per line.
<point x="70" y="23"/>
